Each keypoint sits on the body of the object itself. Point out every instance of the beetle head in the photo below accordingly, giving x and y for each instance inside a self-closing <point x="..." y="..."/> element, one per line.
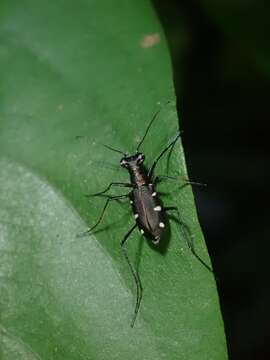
<point x="132" y="160"/>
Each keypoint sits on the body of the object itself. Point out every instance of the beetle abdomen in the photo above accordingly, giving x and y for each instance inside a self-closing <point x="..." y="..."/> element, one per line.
<point x="148" y="212"/>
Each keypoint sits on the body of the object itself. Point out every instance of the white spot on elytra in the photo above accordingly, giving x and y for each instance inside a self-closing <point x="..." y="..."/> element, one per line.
<point x="142" y="232"/>
<point x="157" y="239"/>
<point x="131" y="202"/>
<point x="154" y="194"/>
<point x="136" y="216"/>
<point x="157" y="208"/>
<point x="161" y="225"/>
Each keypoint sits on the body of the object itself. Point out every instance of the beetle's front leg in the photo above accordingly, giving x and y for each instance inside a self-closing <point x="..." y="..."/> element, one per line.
<point x="171" y="145"/>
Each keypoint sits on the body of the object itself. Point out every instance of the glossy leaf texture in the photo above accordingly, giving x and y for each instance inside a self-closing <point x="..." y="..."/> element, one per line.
<point x="75" y="76"/>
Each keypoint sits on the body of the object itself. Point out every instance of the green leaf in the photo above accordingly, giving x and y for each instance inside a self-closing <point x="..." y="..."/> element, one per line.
<point x="94" y="69"/>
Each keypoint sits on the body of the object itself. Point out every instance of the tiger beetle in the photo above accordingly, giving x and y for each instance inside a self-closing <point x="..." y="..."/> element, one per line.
<point x="146" y="207"/>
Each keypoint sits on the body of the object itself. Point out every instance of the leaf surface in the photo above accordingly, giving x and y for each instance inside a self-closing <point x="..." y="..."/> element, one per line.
<point x="100" y="71"/>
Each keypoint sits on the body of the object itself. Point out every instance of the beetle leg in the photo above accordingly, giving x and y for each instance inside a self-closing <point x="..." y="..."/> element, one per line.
<point x="159" y="178"/>
<point x="109" y="186"/>
<point x="135" y="274"/>
<point x="110" y="198"/>
<point x="188" y="236"/>
<point x="193" y="183"/>
<point x="114" y="197"/>
<point x="151" y="171"/>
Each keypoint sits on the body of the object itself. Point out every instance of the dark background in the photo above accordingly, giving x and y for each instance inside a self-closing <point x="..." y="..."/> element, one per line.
<point x="221" y="62"/>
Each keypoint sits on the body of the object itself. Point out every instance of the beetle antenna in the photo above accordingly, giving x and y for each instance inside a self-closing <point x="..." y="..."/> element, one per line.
<point x="149" y="125"/>
<point x="110" y="148"/>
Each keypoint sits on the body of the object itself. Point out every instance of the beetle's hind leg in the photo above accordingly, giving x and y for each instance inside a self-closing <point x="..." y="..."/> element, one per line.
<point x="109" y="198"/>
<point x="135" y="275"/>
<point x="188" y="236"/>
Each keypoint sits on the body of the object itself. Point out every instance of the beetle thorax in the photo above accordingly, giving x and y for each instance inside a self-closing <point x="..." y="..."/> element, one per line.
<point x="138" y="175"/>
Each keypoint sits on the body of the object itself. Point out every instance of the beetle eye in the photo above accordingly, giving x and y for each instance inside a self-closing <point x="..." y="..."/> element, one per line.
<point x="123" y="163"/>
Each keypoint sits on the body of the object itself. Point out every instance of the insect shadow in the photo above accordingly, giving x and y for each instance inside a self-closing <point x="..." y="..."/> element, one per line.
<point x="151" y="217"/>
